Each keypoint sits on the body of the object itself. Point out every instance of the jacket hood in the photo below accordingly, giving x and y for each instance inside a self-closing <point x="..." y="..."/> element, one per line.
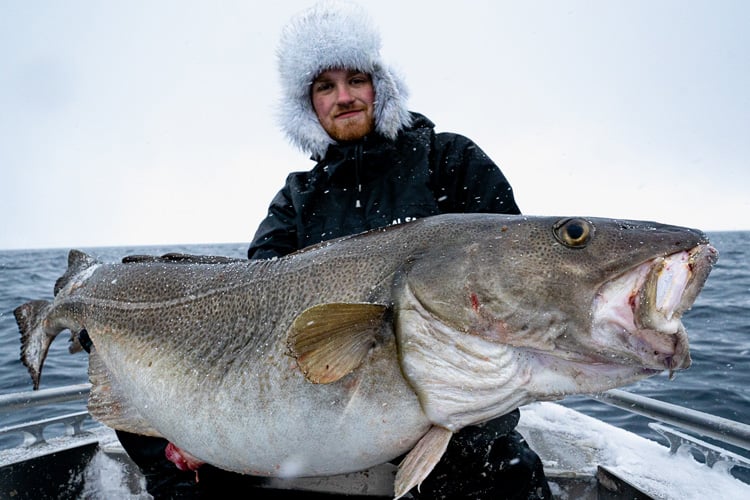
<point x="327" y="36"/>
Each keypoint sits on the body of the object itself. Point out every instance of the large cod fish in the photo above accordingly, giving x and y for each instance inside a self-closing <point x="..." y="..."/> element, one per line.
<point x="354" y="352"/>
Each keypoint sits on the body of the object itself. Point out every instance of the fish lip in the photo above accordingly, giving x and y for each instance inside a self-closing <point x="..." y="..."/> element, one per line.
<point x="603" y="357"/>
<point x="617" y="365"/>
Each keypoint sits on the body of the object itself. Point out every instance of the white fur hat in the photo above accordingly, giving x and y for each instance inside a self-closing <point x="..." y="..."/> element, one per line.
<point x="334" y="35"/>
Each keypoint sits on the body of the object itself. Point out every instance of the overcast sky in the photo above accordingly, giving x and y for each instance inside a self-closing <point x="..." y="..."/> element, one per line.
<point x="154" y="122"/>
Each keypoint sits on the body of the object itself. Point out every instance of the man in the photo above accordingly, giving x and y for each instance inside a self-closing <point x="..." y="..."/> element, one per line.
<point x="379" y="164"/>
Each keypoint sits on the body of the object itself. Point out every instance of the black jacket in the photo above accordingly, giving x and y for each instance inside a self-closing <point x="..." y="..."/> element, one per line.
<point x="376" y="182"/>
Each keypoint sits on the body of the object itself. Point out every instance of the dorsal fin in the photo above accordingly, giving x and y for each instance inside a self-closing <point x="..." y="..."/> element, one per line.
<point x="180" y="258"/>
<point x="77" y="261"/>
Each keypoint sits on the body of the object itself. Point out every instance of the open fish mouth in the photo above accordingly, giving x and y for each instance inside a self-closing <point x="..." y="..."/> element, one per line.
<point x="637" y="316"/>
<point x="671" y="286"/>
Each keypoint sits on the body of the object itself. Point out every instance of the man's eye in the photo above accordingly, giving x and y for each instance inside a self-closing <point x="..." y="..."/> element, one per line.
<point x="359" y="80"/>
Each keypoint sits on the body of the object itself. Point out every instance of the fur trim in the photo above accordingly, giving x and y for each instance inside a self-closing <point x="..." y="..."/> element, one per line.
<point x="334" y="35"/>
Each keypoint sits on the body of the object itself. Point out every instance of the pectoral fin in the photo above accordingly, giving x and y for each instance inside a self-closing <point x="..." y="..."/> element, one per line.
<point x="420" y="461"/>
<point x="331" y="340"/>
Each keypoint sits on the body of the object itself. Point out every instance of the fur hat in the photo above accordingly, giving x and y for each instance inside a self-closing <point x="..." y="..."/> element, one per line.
<point x="334" y="35"/>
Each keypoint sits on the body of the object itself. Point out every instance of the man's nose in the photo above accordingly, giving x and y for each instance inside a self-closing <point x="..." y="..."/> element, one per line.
<point x="344" y="94"/>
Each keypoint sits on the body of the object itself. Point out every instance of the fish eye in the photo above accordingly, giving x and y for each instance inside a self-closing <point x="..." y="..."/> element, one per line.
<point x="573" y="233"/>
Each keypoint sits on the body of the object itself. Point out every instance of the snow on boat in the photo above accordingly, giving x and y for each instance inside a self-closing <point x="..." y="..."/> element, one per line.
<point x="71" y="456"/>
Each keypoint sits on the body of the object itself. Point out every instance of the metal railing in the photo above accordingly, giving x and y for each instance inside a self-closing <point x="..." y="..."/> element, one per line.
<point x="32" y="432"/>
<point x="704" y="424"/>
<point x="10" y="402"/>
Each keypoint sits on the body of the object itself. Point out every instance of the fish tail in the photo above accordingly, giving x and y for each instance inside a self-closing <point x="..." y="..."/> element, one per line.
<point x="38" y="325"/>
<point x="35" y="338"/>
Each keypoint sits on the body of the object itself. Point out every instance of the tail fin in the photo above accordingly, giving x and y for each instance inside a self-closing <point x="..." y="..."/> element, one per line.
<point x="35" y="341"/>
<point x="37" y="328"/>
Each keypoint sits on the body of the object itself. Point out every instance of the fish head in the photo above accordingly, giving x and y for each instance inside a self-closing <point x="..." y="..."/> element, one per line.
<point x="529" y="308"/>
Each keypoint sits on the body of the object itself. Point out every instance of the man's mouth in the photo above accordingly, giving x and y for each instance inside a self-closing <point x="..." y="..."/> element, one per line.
<point x="348" y="114"/>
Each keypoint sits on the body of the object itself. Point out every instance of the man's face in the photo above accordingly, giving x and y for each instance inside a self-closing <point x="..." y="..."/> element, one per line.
<point x="343" y="100"/>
